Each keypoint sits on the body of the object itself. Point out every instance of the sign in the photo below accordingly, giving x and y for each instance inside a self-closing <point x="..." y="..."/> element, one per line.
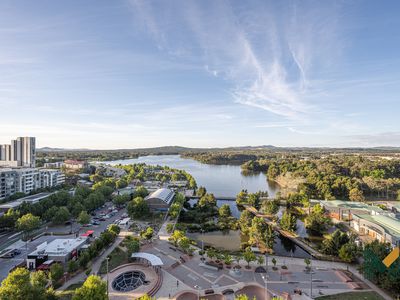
<point x="391" y="258"/>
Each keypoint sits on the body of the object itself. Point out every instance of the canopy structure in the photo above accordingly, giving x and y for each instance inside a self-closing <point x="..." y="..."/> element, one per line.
<point x="150" y="258"/>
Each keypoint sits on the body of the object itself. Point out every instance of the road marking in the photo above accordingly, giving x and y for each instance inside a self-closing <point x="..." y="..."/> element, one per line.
<point x="193" y="277"/>
<point x="210" y="275"/>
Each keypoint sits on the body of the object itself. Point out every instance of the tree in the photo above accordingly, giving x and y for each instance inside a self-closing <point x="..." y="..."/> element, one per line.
<point x="348" y="252"/>
<point x="245" y="221"/>
<point x="56" y="272"/>
<point x="138" y="208"/>
<point x="288" y="222"/>
<point x="249" y="256"/>
<point x="274" y="262"/>
<point x="307" y="261"/>
<point x="170" y="227"/>
<point x="184" y="243"/>
<point x="114" y="228"/>
<point x="257" y="231"/>
<point x="92" y="289"/>
<point x="61" y="216"/>
<point x="224" y="211"/>
<point x="241" y="198"/>
<point x="201" y="191"/>
<point x="83" y="218"/>
<point x="260" y="260"/>
<point x="398" y="195"/>
<point x="254" y="200"/>
<point x="121" y="200"/>
<point x="72" y="266"/>
<point x="140" y="191"/>
<point x="356" y="194"/>
<point x="332" y="244"/>
<point x="20" y="284"/>
<point x="270" y="207"/>
<point x="28" y="223"/>
<point x="146" y="297"/>
<point x="176" y="236"/>
<point x="207" y="202"/>
<point x="133" y="246"/>
<point x="148" y="233"/>
<point x="316" y="221"/>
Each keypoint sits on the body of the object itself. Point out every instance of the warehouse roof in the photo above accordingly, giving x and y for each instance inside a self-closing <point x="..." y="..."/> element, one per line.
<point x="163" y="194"/>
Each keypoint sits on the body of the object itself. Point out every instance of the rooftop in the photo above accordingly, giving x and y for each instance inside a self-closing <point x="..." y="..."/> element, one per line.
<point x="350" y="205"/>
<point x="164" y="194"/>
<point x="31" y="199"/>
<point x="151" y="258"/>
<point x="59" y="247"/>
<point x="390" y="224"/>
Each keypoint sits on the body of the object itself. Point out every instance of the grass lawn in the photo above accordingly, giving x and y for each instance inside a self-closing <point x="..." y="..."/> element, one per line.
<point x="352" y="296"/>
<point x="117" y="257"/>
<point x="69" y="292"/>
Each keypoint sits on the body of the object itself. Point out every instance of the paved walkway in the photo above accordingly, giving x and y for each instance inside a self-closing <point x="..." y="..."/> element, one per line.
<point x="81" y="277"/>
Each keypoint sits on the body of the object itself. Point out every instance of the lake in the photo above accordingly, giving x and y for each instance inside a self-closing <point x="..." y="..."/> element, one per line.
<point x="231" y="241"/>
<point x="221" y="180"/>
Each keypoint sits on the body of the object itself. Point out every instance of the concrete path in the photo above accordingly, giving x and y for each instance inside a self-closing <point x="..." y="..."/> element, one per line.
<point x="81" y="277"/>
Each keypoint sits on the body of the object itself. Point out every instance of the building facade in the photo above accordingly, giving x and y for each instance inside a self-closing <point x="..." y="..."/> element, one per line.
<point x="75" y="164"/>
<point x="19" y="153"/>
<point x="26" y="180"/>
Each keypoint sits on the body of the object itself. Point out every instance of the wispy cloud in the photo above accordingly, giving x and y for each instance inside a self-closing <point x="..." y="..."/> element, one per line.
<point x="267" y="52"/>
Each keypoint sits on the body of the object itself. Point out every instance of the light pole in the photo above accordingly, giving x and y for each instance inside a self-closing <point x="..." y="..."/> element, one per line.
<point x="107" y="259"/>
<point x="266" y="276"/>
<point x="311" y="277"/>
<point x="198" y="291"/>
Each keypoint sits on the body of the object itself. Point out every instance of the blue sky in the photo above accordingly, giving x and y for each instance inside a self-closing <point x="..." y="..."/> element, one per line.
<point x="127" y="74"/>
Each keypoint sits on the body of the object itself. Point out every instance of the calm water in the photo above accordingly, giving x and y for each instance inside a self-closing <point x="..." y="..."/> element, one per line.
<point x="221" y="180"/>
<point x="231" y="242"/>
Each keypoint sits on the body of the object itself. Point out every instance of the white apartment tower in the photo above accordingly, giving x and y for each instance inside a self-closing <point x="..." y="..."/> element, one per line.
<point x="20" y="153"/>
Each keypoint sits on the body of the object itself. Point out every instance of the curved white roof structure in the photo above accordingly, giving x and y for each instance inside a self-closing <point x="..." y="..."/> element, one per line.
<point x="163" y="194"/>
<point x="151" y="258"/>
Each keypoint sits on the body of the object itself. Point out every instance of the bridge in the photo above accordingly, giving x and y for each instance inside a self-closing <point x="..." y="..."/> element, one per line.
<point x="285" y="233"/>
<point x="216" y="197"/>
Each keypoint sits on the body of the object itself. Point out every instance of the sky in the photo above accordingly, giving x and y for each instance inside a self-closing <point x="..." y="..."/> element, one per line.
<point x="130" y="74"/>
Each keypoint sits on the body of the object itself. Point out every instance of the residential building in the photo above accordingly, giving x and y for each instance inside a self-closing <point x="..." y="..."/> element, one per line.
<point x="75" y="164"/>
<point x="160" y="200"/>
<point x="60" y="250"/>
<point x="19" y="153"/>
<point x="26" y="180"/>
<point x="53" y="165"/>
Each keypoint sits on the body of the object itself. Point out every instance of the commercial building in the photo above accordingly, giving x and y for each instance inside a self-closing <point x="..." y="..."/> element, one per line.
<point x="75" y="164"/>
<point x="383" y="228"/>
<point x="160" y="200"/>
<point x="19" y="153"/>
<point x="29" y="199"/>
<point x="26" y="180"/>
<point x="344" y="210"/>
<point x="60" y="250"/>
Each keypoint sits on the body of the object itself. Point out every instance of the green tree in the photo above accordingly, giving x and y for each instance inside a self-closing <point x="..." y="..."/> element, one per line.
<point x="121" y="200"/>
<point x="274" y="262"/>
<point x="20" y="284"/>
<point x="348" y="252"/>
<point x="249" y="256"/>
<point x="72" y="266"/>
<point x="201" y="191"/>
<point x="138" y="208"/>
<point x="133" y="246"/>
<point x="356" y="194"/>
<point x="140" y="191"/>
<point x="307" y="261"/>
<point x="56" y="272"/>
<point x="114" y="228"/>
<point x="184" y="243"/>
<point x="241" y="198"/>
<point x="61" y="216"/>
<point x="270" y="207"/>
<point x="224" y="211"/>
<point x="332" y="244"/>
<point x="148" y="233"/>
<point x="288" y="222"/>
<point x="92" y="289"/>
<point x="27" y="223"/>
<point x="83" y="218"/>
<point x="176" y="236"/>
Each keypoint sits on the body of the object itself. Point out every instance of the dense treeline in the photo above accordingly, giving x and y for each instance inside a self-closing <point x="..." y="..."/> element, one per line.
<point x="335" y="177"/>
<point x="221" y="158"/>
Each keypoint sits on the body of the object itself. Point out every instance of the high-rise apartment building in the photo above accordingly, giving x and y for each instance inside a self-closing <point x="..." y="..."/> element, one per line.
<point x="20" y="153"/>
<point x="26" y="180"/>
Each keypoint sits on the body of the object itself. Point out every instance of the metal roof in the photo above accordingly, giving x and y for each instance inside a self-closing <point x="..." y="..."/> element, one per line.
<point x="163" y="194"/>
<point x="151" y="258"/>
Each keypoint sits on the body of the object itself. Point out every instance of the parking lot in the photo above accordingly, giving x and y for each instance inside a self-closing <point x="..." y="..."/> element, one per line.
<point x="63" y="231"/>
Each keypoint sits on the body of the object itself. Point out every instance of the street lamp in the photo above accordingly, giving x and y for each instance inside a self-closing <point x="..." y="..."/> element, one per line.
<point x="311" y="277"/>
<point x="107" y="259"/>
<point x="265" y="277"/>
<point x="198" y="291"/>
